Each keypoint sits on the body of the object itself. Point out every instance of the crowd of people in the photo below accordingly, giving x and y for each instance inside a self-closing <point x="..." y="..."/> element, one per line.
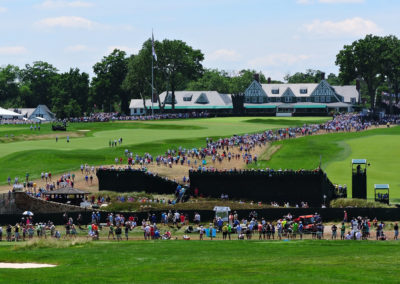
<point x="240" y="147"/>
<point x="159" y="227"/>
<point x="115" y="116"/>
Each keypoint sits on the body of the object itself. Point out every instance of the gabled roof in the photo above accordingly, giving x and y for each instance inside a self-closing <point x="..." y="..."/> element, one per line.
<point x="66" y="191"/>
<point x="24" y="111"/>
<point x="44" y="111"/>
<point x="138" y="103"/>
<point x="202" y="99"/>
<point x="347" y="92"/>
<point x="295" y="88"/>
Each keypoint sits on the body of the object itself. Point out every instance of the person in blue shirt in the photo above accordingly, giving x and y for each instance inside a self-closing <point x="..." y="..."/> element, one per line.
<point x="300" y="229"/>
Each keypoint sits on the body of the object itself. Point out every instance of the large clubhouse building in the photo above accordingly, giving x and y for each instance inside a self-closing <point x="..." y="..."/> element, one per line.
<point x="262" y="99"/>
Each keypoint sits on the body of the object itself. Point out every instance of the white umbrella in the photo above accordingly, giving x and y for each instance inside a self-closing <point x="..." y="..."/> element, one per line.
<point x="27" y="213"/>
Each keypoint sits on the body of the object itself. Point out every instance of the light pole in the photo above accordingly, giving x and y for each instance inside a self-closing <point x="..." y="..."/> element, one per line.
<point x="324" y="200"/>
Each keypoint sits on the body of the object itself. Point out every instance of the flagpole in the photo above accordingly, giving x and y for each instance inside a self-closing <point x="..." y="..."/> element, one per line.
<point x="152" y="74"/>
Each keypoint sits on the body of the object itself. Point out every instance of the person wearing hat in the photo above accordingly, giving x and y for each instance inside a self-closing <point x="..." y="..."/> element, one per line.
<point x="201" y="231"/>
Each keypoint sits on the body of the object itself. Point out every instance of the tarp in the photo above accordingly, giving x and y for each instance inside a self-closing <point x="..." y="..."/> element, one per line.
<point x="6" y="112"/>
<point x="381" y="186"/>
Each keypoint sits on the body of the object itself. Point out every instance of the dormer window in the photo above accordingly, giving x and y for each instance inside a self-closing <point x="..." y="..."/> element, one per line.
<point x="202" y="99"/>
<point x="168" y="99"/>
<point x="275" y="91"/>
<point x="187" y="98"/>
<point x="303" y="91"/>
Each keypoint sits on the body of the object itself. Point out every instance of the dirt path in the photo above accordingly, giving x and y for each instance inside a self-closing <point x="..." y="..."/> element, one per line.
<point x="177" y="172"/>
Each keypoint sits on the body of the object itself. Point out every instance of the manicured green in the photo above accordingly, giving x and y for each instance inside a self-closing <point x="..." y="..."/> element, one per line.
<point x="381" y="148"/>
<point x="207" y="262"/>
<point x="21" y="155"/>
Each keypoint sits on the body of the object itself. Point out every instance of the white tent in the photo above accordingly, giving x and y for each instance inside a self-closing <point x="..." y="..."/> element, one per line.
<point x="4" y="113"/>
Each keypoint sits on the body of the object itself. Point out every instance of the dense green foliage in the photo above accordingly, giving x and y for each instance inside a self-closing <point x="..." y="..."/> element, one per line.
<point x="120" y="77"/>
<point x="312" y="76"/>
<point x="206" y="261"/>
<point x="374" y="60"/>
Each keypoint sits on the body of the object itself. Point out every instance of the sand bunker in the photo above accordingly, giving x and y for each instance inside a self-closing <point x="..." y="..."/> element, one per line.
<point x="24" y="265"/>
<point x="84" y="130"/>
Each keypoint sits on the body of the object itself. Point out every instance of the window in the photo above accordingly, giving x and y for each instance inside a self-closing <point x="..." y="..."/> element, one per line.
<point x="308" y="100"/>
<point x="265" y="100"/>
<point x="247" y="99"/>
<point x="275" y="91"/>
<point x="187" y="97"/>
<point x="353" y="100"/>
<point x="322" y="99"/>
<point x="316" y="99"/>
<point x="288" y="99"/>
<point x="254" y="99"/>
<point x="168" y="99"/>
<point x="328" y="99"/>
<point x="260" y="100"/>
<point x="278" y="99"/>
<point x="303" y="91"/>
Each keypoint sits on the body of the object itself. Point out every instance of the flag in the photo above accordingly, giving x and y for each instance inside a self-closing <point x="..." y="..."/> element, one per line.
<point x="152" y="47"/>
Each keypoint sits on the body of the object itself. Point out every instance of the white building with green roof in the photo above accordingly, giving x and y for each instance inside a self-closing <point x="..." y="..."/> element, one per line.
<point x="267" y="99"/>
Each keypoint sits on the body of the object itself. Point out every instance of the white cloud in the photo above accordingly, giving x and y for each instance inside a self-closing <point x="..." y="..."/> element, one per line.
<point x="278" y="59"/>
<point x="76" y="48"/>
<point x="356" y="27"/>
<point x="12" y="50"/>
<point x="67" y="22"/>
<point x="50" y="4"/>
<point x="224" y="55"/>
<point x="3" y="10"/>
<point x="127" y="49"/>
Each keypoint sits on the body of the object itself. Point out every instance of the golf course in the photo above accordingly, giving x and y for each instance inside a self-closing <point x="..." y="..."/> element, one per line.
<point x="318" y="261"/>
<point x="28" y="151"/>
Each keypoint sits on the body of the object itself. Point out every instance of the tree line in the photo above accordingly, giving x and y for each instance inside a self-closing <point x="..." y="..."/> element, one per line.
<point x="374" y="61"/>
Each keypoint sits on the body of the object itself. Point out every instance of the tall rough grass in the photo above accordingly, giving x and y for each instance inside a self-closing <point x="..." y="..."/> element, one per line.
<point x="357" y="203"/>
<point x="51" y="243"/>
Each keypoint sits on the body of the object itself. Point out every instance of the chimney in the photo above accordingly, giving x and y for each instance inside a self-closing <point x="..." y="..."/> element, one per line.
<point x="269" y="80"/>
<point x="256" y="77"/>
<point x="322" y="75"/>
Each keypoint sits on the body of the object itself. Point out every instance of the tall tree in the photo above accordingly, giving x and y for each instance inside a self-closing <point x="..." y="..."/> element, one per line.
<point x="107" y="84"/>
<point x="180" y="63"/>
<point x="240" y="83"/>
<point x="138" y="78"/>
<point x="362" y="59"/>
<point x="391" y="65"/>
<point x="73" y="93"/>
<point x="9" y="85"/>
<point x="310" y="76"/>
<point x="212" y="79"/>
<point x="41" y="78"/>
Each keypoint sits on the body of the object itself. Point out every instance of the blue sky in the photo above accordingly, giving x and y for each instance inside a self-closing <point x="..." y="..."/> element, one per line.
<point x="273" y="36"/>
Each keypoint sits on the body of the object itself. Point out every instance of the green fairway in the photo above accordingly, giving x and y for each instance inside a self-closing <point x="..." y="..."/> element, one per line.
<point x="22" y="155"/>
<point x="207" y="262"/>
<point x="381" y="147"/>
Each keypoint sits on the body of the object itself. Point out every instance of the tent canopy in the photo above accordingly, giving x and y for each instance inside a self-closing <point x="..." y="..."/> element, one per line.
<point x="6" y="112"/>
